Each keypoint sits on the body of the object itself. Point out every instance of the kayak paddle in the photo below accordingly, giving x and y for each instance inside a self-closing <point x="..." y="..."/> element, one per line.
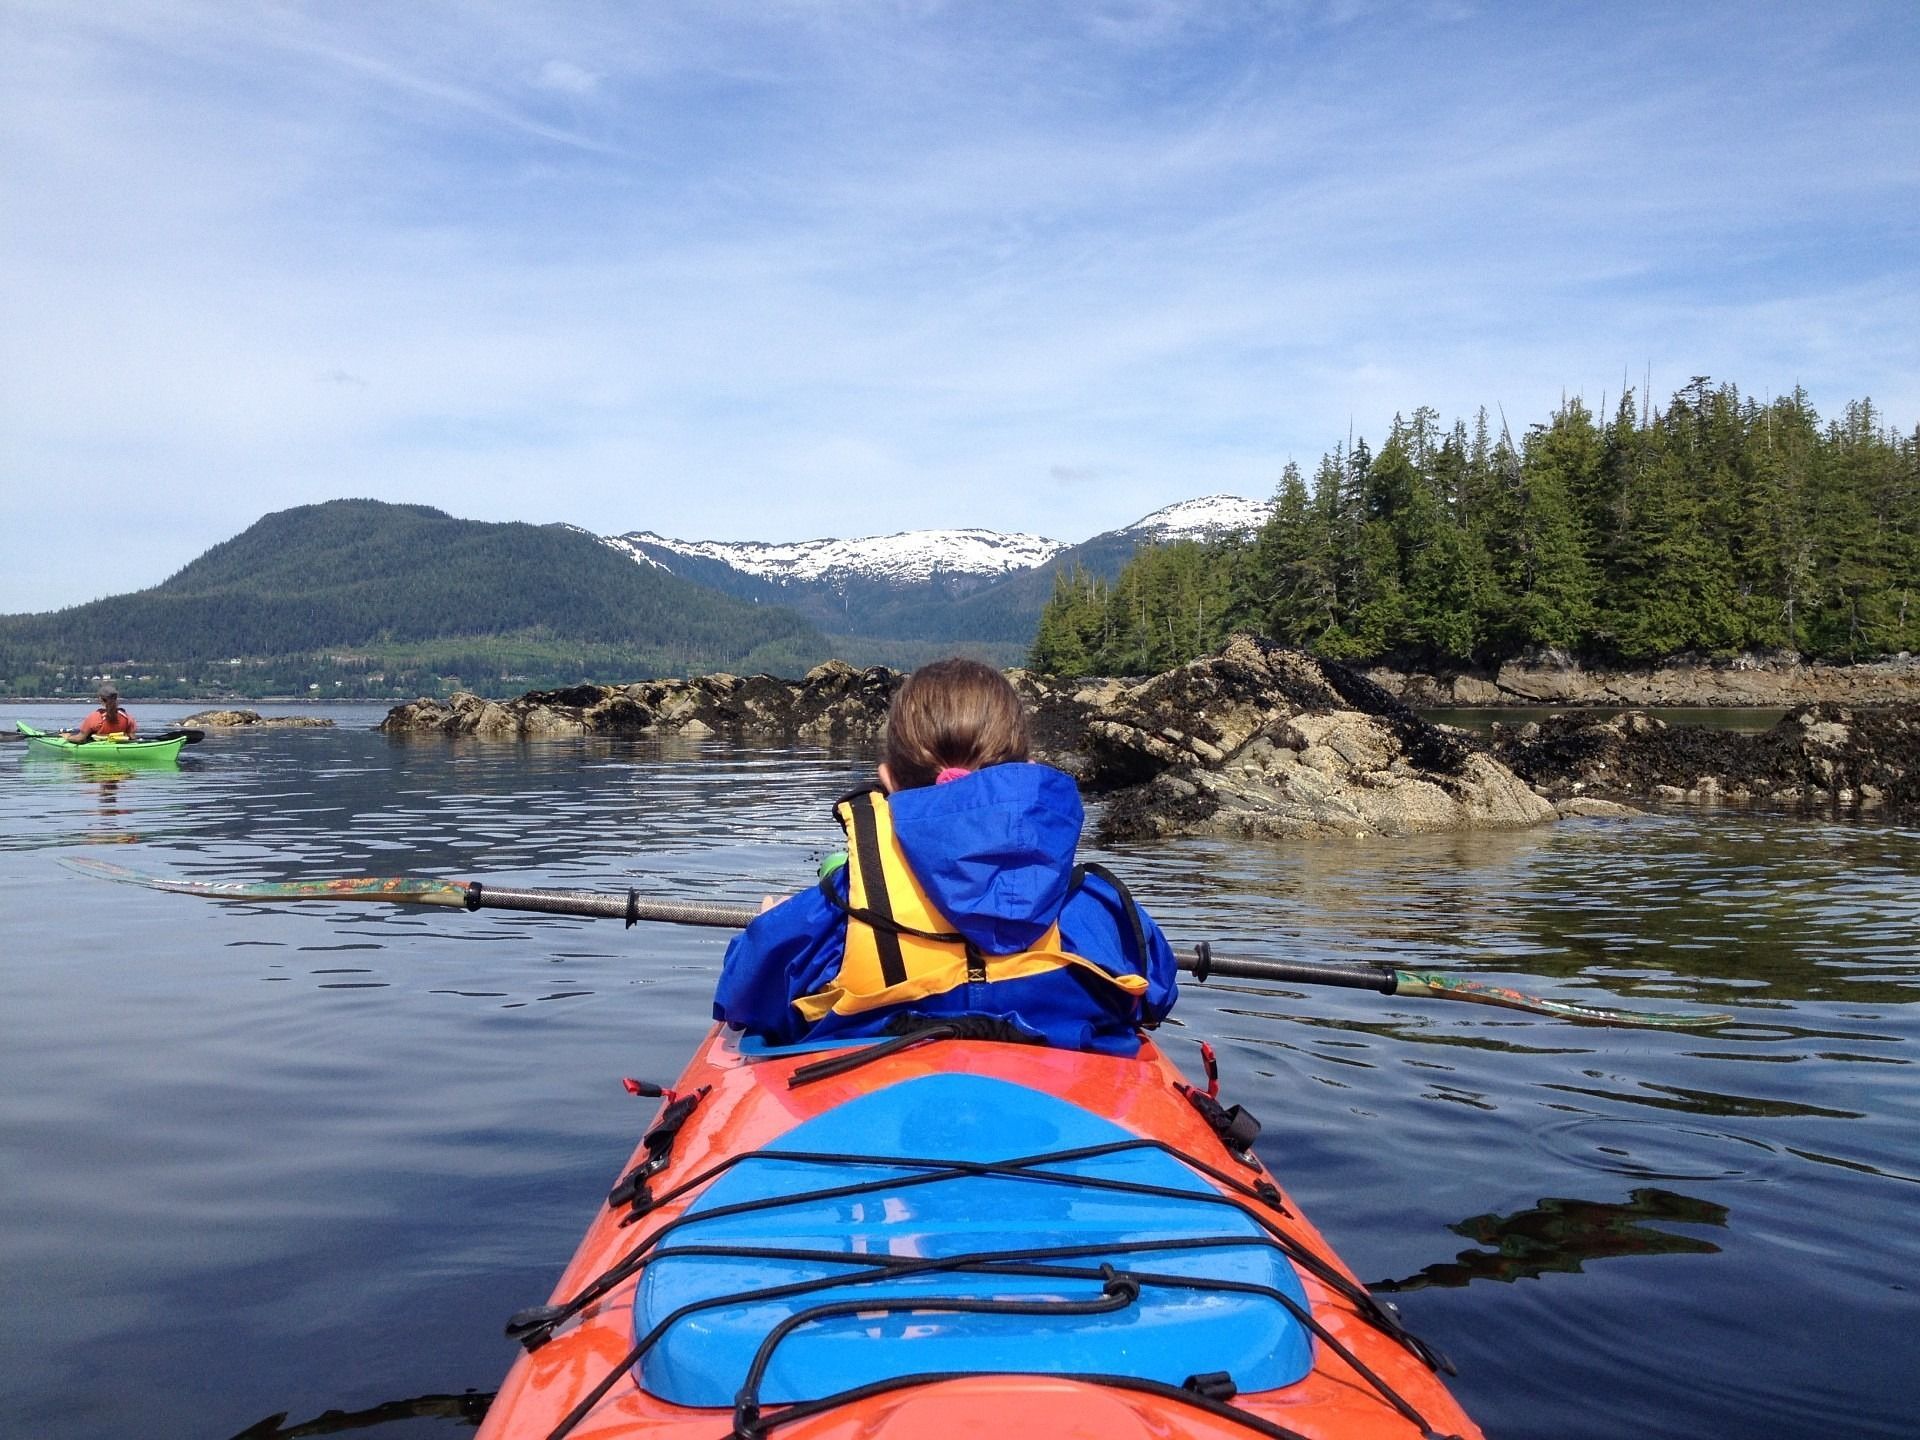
<point x="191" y="737"/>
<point x="613" y="905"/>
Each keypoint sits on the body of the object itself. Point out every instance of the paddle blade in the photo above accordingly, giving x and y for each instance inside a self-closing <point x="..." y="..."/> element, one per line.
<point x="392" y="890"/>
<point x="23" y="731"/>
<point x="1436" y="986"/>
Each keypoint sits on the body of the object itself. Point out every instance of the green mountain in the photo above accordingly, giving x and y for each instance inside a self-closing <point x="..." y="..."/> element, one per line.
<point x="366" y="598"/>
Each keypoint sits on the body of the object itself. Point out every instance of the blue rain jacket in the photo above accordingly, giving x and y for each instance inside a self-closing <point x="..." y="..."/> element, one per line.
<point x="994" y="853"/>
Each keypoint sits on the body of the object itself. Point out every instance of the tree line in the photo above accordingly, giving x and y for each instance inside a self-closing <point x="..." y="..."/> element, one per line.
<point x="1715" y="525"/>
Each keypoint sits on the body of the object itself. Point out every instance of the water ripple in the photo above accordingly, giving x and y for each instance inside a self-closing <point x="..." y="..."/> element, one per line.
<point x="282" y="1119"/>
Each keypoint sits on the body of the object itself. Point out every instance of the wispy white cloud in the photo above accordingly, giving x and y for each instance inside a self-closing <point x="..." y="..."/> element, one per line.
<point x="788" y="270"/>
<point x="567" y="78"/>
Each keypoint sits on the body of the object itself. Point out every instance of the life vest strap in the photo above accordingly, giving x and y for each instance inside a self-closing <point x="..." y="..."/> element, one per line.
<point x="863" y="835"/>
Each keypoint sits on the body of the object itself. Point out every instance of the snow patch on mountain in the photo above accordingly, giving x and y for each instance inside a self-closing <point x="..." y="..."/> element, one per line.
<point x="1201" y="519"/>
<point x="624" y="544"/>
<point x="912" y="555"/>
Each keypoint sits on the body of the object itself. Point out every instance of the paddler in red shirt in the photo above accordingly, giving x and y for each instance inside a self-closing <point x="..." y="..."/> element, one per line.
<point x="109" y="719"/>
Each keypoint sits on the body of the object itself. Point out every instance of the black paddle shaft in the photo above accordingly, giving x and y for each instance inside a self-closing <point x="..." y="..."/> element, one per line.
<point x="631" y="908"/>
<point x="603" y="906"/>
<point x="1205" y="965"/>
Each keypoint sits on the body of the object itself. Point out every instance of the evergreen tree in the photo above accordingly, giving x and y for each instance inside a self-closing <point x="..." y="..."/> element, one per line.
<point x="1074" y="627"/>
<point x="1776" y="571"/>
<point x="1543" y="575"/>
<point x="1288" y="591"/>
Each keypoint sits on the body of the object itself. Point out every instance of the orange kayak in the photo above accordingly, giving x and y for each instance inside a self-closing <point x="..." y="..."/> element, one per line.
<point x="940" y="1234"/>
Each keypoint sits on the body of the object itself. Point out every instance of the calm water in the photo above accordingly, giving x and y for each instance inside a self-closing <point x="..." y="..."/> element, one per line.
<point x="264" y="1161"/>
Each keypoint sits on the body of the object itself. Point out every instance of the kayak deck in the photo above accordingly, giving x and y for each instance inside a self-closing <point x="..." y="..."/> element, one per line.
<point x="1012" y="1234"/>
<point x="880" y="1201"/>
<point x="108" y="749"/>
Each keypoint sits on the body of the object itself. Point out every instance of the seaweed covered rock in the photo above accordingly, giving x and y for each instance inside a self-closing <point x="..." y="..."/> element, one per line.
<point x="833" y="701"/>
<point x="1821" y="754"/>
<point x="1767" y="680"/>
<point x="252" y="719"/>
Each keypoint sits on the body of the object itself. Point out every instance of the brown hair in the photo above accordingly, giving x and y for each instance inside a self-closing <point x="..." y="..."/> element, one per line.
<point x="953" y="713"/>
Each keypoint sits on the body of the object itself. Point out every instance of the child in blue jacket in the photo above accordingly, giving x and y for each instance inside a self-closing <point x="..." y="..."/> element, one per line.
<point x="959" y="896"/>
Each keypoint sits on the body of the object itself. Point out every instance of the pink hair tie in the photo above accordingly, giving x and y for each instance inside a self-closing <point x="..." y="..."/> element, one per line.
<point x="952" y="772"/>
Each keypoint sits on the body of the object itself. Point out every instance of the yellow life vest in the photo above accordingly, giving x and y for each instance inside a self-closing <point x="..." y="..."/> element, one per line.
<point x="899" y="948"/>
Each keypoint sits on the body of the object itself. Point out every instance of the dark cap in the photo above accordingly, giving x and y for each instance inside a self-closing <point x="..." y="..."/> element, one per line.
<point x="107" y="692"/>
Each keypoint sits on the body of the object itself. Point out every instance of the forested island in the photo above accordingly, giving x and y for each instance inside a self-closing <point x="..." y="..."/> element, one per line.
<point x="1718" y="525"/>
<point x="364" y="598"/>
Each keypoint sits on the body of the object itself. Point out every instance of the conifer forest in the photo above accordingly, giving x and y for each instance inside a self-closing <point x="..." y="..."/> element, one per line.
<point x="1715" y="525"/>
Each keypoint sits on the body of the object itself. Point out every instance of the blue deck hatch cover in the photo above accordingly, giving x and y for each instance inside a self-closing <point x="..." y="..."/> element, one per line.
<point x="1167" y="1335"/>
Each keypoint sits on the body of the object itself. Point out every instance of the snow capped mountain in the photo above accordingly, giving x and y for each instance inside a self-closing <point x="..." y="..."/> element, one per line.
<point x="907" y="558"/>
<point x="916" y="556"/>
<point x="922" y="593"/>
<point x="1205" y="517"/>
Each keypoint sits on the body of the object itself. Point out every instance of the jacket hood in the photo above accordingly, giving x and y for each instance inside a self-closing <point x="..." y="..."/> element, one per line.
<point x="993" y="851"/>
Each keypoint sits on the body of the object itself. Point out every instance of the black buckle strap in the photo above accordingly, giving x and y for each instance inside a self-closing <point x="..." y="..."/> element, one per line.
<point x="1236" y="1125"/>
<point x="632" y="1189"/>
<point x="534" y="1326"/>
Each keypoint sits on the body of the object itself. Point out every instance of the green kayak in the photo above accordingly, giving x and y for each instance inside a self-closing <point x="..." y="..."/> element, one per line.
<point x="163" y="749"/>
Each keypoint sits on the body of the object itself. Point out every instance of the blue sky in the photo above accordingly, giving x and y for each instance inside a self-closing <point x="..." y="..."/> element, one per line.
<point x="777" y="270"/>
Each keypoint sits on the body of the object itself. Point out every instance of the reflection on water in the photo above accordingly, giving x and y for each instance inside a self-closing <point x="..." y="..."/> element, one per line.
<point x="1563" y="1235"/>
<point x="468" y="1409"/>
<point x="1705" y="1102"/>
<point x="110" y="789"/>
<point x="274" y="1159"/>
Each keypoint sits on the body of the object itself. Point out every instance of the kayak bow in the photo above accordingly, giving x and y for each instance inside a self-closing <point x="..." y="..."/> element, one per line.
<point x="1070" y="1243"/>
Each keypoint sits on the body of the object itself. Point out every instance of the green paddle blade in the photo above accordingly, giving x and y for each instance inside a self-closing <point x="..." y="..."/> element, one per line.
<point x="1434" y="985"/>
<point x="393" y="890"/>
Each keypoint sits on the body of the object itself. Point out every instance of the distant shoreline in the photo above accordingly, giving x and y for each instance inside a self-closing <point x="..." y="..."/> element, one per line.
<point x="225" y="701"/>
<point x="1739" y="683"/>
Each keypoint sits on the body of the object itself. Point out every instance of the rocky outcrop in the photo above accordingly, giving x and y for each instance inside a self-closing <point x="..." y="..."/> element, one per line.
<point x="233" y="719"/>
<point x="1758" y="681"/>
<point x="1826" y="755"/>
<point x="1259" y="741"/>
<point x="833" y="702"/>
<point x="1263" y="741"/>
<point x="1256" y="740"/>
